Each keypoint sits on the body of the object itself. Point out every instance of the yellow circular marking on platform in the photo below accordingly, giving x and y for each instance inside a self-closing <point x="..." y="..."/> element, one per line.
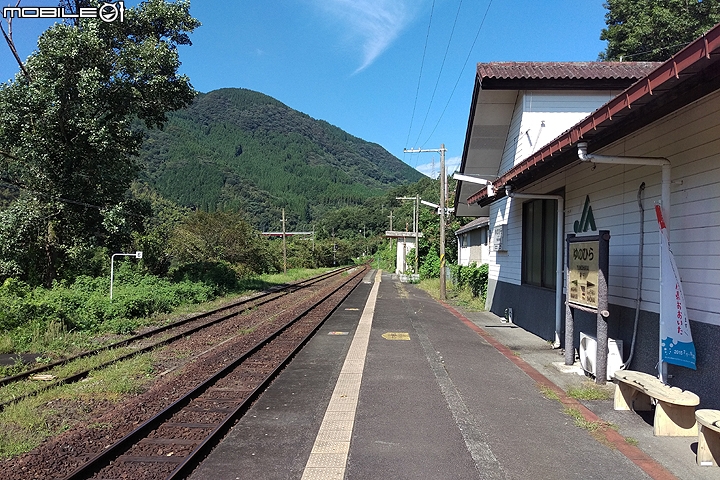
<point x="396" y="336"/>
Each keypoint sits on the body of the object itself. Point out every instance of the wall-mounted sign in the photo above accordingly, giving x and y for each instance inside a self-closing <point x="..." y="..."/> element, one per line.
<point x="583" y="273"/>
<point x="587" y="219"/>
<point x="498" y="237"/>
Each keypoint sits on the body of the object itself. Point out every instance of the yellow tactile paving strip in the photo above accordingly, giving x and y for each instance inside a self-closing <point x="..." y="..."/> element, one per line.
<point x="332" y="444"/>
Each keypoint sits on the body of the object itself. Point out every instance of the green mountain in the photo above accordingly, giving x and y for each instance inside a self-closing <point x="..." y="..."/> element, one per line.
<point x="240" y="149"/>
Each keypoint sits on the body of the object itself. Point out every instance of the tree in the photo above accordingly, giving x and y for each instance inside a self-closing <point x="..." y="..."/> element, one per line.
<point x="206" y="238"/>
<point x="67" y="131"/>
<point x="654" y="30"/>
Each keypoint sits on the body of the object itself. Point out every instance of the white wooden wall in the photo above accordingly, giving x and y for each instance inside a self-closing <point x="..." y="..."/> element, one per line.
<point x="690" y="139"/>
<point x="470" y="250"/>
<point x="541" y="116"/>
<point x="558" y="111"/>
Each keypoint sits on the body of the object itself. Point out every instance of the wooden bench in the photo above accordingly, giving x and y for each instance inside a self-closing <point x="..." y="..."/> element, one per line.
<point x="708" y="452"/>
<point x="675" y="408"/>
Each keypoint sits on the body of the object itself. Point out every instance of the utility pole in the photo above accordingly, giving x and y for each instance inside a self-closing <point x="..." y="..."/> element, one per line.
<point x="417" y="233"/>
<point x="284" y="246"/>
<point x="390" y="217"/>
<point x="442" y="151"/>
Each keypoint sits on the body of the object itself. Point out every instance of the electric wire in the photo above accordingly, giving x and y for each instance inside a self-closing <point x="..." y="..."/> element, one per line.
<point x="437" y="82"/>
<point x="422" y="64"/>
<point x="654" y="50"/>
<point x="60" y="199"/>
<point x="477" y="35"/>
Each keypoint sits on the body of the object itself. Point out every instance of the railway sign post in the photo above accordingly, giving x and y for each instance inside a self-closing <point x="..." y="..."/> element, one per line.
<point x="137" y="254"/>
<point x="586" y="284"/>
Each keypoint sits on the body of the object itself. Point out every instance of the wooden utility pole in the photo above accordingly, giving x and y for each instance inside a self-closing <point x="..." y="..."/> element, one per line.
<point x="284" y="245"/>
<point x="442" y="221"/>
<point x="442" y="151"/>
<point x="417" y="234"/>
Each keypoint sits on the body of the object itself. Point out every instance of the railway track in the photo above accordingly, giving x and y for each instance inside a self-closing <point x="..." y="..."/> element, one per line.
<point x="155" y="338"/>
<point x="164" y="431"/>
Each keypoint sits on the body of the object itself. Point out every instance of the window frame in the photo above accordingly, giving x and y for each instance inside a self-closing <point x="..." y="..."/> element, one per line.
<point x="538" y="231"/>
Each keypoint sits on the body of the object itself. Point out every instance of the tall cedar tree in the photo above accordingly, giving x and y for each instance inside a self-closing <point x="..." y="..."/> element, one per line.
<point x="654" y="30"/>
<point x="66" y="120"/>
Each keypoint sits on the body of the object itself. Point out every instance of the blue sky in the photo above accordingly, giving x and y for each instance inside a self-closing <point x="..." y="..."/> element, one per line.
<point x="370" y="67"/>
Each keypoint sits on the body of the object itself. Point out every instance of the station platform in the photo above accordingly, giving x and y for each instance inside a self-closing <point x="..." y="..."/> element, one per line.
<point x="396" y="385"/>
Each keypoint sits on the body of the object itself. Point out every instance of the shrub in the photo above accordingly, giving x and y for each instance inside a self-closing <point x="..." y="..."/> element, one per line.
<point x="472" y="277"/>
<point x="430" y="267"/>
<point x="85" y="305"/>
<point x="220" y="276"/>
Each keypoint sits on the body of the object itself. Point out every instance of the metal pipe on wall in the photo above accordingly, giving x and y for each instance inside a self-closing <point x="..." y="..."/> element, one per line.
<point x="664" y="163"/>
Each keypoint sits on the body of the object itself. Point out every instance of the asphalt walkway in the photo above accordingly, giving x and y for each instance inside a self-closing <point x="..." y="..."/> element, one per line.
<point x="442" y="394"/>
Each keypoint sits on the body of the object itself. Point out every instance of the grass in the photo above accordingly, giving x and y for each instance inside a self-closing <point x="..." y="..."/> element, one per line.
<point x="590" y="391"/>
<point x="462" y="297"/>
<point x="26" y="424"/>
<point x="22" y="388"/>
<point x="431" y="286"/>
<point x="596" y="429"/>
<point x="581" y="421"/>
<point x="54" y="341"/>
<point x="548" y="393"/>
<point x="465" y="298"/>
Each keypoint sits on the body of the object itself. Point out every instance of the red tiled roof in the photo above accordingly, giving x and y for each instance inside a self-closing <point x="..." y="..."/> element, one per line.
<point x="661" y="82"/>
<point x="564" y="70"/>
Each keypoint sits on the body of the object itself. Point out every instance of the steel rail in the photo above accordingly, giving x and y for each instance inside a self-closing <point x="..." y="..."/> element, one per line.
<point x="284" y="290"/>
<point x="112" y="452"/>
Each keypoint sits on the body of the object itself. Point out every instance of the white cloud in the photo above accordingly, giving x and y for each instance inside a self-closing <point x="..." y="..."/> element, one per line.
<point x="432" y="169"/>
<point x="374" y="24"/>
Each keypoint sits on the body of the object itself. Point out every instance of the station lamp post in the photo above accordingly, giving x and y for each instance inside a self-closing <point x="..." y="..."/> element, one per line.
<point x="137" y="254"/>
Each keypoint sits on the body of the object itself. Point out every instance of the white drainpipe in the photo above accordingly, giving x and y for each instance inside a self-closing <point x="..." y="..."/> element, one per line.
<point x="665" y="194"/>
<point x="559" y="253"/>
<point x="657" y="161"/>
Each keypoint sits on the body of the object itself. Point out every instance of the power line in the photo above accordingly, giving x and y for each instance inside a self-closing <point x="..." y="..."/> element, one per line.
<point x="461" y="72"/>
<point x="422" y="64"/>
<point x="658" y="49"/>
<point x="422" y="127"/>
<point x="61" y="199"/>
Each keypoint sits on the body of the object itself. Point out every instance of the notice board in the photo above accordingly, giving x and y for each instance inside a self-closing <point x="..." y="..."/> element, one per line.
<point x="583" y="264"/>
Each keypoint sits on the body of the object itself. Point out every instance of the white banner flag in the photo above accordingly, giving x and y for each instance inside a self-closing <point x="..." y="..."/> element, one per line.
<point x="675" y="337"/>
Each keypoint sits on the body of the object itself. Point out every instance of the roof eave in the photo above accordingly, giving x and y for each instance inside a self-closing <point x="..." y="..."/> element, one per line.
<point x="608" y="119"/>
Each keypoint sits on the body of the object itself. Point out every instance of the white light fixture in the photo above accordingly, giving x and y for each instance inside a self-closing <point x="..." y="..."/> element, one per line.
<point x="467" y="178"/>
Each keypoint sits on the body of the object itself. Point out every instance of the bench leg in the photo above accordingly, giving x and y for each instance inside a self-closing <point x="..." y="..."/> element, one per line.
<point x="674" y="421"/>
<point x="708" y="453"/>
<point x="629" y="398"/>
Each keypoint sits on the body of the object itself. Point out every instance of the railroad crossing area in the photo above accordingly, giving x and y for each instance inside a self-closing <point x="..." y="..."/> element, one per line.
<point x="397" y="385"/>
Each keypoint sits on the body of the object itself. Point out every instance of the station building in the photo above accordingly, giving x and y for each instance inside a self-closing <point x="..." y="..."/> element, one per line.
<point x="526" y="123"/>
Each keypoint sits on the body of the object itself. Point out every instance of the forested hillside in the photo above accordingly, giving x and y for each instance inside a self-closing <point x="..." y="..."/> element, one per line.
<point x="242" y="150"/>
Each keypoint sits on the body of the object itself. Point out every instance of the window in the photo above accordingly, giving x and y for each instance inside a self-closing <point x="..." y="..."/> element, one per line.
<point x="539" y="242"/>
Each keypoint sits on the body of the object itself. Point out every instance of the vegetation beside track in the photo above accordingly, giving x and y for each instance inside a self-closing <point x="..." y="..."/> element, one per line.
<point x="70" y="318"/>
<point x="466" y="286"/>
<point x="26" y="424"/>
